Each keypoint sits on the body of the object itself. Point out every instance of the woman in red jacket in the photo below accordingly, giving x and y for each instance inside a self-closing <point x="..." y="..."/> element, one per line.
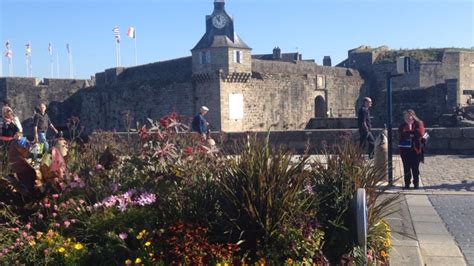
<point x="411" y="147"/>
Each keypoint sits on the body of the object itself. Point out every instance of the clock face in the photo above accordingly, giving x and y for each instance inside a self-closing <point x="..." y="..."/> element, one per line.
<point x="219" y="21"/>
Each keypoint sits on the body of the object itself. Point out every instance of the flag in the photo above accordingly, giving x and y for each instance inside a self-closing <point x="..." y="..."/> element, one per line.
<point x="50" y="48"/>
<point x="9" y="54"/>
<point x="28" y="49"/>
<point x="116" y="31"/>
<point x="131" y="32"/>
<point x="7" y="45"/>
<point x="67" y="48"/>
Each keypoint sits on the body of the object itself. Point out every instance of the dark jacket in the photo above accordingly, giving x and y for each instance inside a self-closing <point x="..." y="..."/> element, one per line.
<point x="415" y="135"/>
<point x="364" y="120"/>
<point x="199" y="124"/>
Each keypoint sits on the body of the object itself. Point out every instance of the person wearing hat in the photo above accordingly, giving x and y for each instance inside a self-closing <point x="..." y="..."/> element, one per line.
<point x="199" y="123"/>
<point x="410" y="133"/>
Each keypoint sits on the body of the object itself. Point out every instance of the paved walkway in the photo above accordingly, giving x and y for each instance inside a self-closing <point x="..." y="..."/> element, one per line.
<point x="458" y="214"/>
<point x="441" y="213"/>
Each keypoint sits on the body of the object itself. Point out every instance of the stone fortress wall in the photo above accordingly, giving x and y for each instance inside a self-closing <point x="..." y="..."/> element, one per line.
<point x="439" y="81"/>
<point x="277" y="91"/>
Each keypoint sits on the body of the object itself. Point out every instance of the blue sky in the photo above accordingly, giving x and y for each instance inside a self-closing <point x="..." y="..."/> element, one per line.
<point x="169" y="29"/>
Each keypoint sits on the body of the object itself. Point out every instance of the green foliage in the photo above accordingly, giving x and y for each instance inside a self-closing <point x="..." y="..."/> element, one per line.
<point x="336" y="177"/>
<point x="264" y="202"/>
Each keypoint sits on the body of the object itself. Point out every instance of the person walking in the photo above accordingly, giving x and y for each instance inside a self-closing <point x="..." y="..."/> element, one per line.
<point x="41" y="123"/>
<point x="411" y="133"/>
<point x="365" y="127"/>
<point x="199" y="123"/>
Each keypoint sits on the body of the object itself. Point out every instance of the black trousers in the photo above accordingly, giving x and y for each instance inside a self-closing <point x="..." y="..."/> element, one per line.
<point x="411" y="167"/>
<point x="366" y="138"/>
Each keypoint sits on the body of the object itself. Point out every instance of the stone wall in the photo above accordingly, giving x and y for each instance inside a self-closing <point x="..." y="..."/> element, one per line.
<point x="442" y="140"/>
<point x="27" y="93"/>
<point x="453" y="70"/>
<point x="281" y="95"/>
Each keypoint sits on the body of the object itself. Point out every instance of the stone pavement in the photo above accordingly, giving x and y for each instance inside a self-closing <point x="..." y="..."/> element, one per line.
<point x="458" y="214"/>
<point x="448" y="173"/>
<point x="441" y="212"/>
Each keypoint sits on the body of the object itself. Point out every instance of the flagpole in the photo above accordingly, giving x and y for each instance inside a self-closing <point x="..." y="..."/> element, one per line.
<point x="135" y="42"/>
<point x="52" y="64"/>
<point x="71" y="73"/>
<point x="31" y="67"/>
<point x="10" y="66"/>
<point x="57" y="65"/>
<point x="119" y="55"/>
<point x="27" y="68"/>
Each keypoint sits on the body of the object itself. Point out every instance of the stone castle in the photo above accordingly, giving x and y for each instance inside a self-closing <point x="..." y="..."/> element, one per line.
<point x="244" y="92"/>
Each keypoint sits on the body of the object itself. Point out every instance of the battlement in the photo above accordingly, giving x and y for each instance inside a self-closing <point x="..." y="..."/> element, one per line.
<point x="299" y="68"/>
<point x="176" y="70"/>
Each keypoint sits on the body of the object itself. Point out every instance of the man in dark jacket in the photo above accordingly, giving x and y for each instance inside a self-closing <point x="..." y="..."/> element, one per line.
<point x="365" y="126"/>
<point x="199" y="123"/>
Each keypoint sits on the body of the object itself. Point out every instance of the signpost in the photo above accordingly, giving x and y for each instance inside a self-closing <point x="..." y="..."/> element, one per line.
<point x="403" y="67"/>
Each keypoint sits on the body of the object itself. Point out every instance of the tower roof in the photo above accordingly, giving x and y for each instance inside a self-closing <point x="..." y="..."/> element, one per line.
<point x="222" y="35"/>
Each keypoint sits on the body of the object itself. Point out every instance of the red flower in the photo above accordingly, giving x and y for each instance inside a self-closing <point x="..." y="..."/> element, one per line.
<point x="143" y="133"/>
<point x="188" y="150"/>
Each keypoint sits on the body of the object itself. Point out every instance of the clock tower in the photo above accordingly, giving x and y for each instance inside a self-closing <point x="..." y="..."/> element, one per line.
<point x="220" y="50"/>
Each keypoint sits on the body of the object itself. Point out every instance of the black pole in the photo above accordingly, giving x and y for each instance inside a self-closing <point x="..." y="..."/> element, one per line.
<point x="389" y="128"/>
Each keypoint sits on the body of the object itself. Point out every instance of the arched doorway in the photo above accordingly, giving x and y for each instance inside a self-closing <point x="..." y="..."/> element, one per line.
<point x="320" y="110"/>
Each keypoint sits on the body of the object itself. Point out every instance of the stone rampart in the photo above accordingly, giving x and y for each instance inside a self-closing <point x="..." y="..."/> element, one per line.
<point x="442" y="140"/>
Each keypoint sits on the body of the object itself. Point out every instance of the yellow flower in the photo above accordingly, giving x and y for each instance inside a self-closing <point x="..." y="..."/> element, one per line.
<point x="139" y="236"/>
<point x="387" y="243"/>
<point x="383" y="254"/>
<point x="226" y="264"/>
<point x="32" y="243"/>
<point x="147" y="244"/>
<point x="61" y="249"/>
<point x="289" y="261"/>
<point x="128" y="262"/>
<point x="138" y="260"/>
<point x="78" y="246"/>
<point x="218" y="264"/>
<point x="150" y="254"/>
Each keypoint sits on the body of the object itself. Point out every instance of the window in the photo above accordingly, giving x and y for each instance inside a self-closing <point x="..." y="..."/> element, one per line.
<point x="238" y="57"/>
<point x="204" y="57"/>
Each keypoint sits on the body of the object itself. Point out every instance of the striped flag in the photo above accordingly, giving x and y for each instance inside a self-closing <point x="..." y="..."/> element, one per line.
<point x="68" y="48"/>
<point x="131" y="32"/>
<point x="116" y="31"/>
<point x="28" y="49"/>
<point x="50" y="48"/>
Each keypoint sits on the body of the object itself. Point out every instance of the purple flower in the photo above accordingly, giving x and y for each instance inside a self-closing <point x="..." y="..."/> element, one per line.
<point x="146" y="199"/>
<point x="123" y="236"/>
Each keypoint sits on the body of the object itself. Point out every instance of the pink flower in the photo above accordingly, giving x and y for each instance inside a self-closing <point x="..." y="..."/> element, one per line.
<point x="81" y="201"/>
<point x="46" y="251"/>
<point x="57" y="225"/>
<point x="47" y="205"/>
<point x="73" y="221"/>
<point x="67" y="223"/>
<point x="63" y="205"/>
<point x="99" y="167"/>
<point x="28" y="226"/>
<point x="123" y="236"/>
<point x="55" y="214"/>
<point x="55" y="196"/>
<point x="24" y="234"/>
<point x="5" y="250"/>
<point x="40" y="216"/>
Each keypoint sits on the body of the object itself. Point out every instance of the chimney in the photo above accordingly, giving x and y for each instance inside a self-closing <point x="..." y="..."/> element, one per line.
<point x="276" y="53"/>
<point x="327" y="61"/>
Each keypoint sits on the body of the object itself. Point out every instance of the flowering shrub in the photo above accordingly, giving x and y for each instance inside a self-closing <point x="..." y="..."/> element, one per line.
<point x="164" y="197"/>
